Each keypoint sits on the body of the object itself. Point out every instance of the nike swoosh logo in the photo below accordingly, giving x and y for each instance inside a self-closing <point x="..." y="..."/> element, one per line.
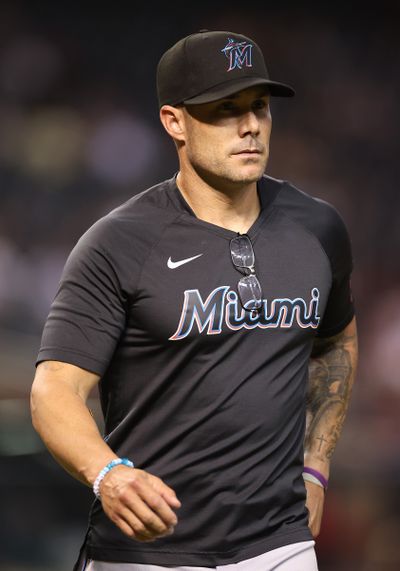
<point x="172" y="265"/>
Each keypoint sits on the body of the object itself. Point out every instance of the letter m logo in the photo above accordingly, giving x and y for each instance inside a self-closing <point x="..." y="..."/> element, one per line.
<point x="205" y="315"/>
<point x="238" y="54"/>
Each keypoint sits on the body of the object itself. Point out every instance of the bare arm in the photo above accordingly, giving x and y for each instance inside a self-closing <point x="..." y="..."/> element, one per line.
<point x="331" y="375"/>
<point x="140" y="504"/>
<point x="61" y="417"/>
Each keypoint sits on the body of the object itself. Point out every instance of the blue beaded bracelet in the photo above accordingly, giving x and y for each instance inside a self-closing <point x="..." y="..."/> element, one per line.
<point x="106" y="469"/>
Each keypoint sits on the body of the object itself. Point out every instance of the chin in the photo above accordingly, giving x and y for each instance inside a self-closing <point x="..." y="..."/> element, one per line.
<point x="242" y="182"/>
<point x="250" y="175"/>
<point x="251" y="172"/>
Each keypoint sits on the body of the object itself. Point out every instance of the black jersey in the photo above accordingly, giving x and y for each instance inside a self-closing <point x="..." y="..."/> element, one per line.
<point x="194" y="389"/>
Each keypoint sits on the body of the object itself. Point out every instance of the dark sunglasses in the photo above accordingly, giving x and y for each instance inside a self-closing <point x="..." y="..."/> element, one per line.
<point x="243" y="258"/>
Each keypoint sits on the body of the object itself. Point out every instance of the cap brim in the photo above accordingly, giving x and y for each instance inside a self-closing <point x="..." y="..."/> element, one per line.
<point x="275" y="88"/>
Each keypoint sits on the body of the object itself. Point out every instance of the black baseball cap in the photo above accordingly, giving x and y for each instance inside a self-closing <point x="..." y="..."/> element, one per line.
<point x="210" y="65"/>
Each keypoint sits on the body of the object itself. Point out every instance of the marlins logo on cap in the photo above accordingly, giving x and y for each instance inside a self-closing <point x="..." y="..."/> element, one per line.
<point x="191" y="72"/>
<point x="238" y="54"/>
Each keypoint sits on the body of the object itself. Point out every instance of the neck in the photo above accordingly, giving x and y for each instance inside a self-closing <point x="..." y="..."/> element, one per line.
<point x="235" y="208"/>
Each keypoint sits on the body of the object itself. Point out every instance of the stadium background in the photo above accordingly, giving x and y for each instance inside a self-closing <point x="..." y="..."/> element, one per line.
<point x="79" y="134"/>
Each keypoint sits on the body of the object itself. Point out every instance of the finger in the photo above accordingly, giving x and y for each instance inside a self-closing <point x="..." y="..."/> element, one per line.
<point x="161" y="488"/>
<point x="314" y="528"/>
<point x="148" y="539"/>
<point x="134" y="527"/>
<point x="160" y="507"/>
<point x="166" y="492"/>
<point x="155" y="502"/>
<point x="127" y="530"/>
<point x="145" y="508"/>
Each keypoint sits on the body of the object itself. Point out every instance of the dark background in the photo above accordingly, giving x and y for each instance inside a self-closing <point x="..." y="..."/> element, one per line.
<point x="79" y="134"/>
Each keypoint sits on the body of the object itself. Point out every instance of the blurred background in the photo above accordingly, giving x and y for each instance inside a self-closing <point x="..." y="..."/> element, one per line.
<point x="79" y="134"/>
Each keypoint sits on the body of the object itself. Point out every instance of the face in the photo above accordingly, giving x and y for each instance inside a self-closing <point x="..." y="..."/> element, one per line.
<point x="227" y="141"/>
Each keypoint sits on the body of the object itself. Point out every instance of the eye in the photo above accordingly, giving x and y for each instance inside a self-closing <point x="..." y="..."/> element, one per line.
<point x="226" y="106"/>
<point x="259" y="104"/>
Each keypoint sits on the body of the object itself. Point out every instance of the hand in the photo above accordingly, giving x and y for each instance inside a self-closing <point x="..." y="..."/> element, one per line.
<point x="140" y="504"/>
<point x="315" y="505"/>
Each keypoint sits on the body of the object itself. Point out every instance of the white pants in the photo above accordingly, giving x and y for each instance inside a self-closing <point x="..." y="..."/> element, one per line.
<point x="294" y="557"/>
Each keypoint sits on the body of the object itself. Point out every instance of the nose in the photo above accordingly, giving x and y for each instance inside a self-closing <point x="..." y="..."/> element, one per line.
<point x="249" y="124"/>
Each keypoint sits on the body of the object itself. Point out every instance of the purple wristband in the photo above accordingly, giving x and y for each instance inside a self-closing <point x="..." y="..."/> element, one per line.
<point x="317" y="475"/>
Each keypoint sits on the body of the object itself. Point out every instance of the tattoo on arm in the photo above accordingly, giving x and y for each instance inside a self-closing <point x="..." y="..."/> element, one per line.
<point x="331" y="375"/>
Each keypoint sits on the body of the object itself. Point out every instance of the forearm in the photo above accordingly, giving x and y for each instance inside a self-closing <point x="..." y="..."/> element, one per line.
<point x="331" y="375"/>
<point x="67" y="428"/>
<point x="139" y="503"/>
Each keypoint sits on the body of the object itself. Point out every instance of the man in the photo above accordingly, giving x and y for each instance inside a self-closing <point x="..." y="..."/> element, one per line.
<point x="199" y="306"/>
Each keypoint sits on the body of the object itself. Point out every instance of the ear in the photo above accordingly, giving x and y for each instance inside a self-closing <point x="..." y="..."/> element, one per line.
<point x="173" y="121"/>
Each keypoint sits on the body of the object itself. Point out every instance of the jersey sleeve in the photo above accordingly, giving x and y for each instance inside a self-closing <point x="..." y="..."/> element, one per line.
<point x="340" y="309"/>
<point x="88" y="312"/>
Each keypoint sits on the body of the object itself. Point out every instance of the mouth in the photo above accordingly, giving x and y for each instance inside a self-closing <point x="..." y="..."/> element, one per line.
<point x="246" y="152"/>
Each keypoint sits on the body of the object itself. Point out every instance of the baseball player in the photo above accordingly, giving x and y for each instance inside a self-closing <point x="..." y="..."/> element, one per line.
<point x="214" y="313"/>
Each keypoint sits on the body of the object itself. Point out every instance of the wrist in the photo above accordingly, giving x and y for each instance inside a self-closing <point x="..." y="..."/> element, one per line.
<point x="106" y="469"/>
<point x="92" y="469"/>
<point x="317" y="463"/>
<point x="314" y="476"/>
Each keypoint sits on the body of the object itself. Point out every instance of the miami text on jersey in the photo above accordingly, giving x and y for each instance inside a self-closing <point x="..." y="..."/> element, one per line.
<point x="223" y="305"/>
